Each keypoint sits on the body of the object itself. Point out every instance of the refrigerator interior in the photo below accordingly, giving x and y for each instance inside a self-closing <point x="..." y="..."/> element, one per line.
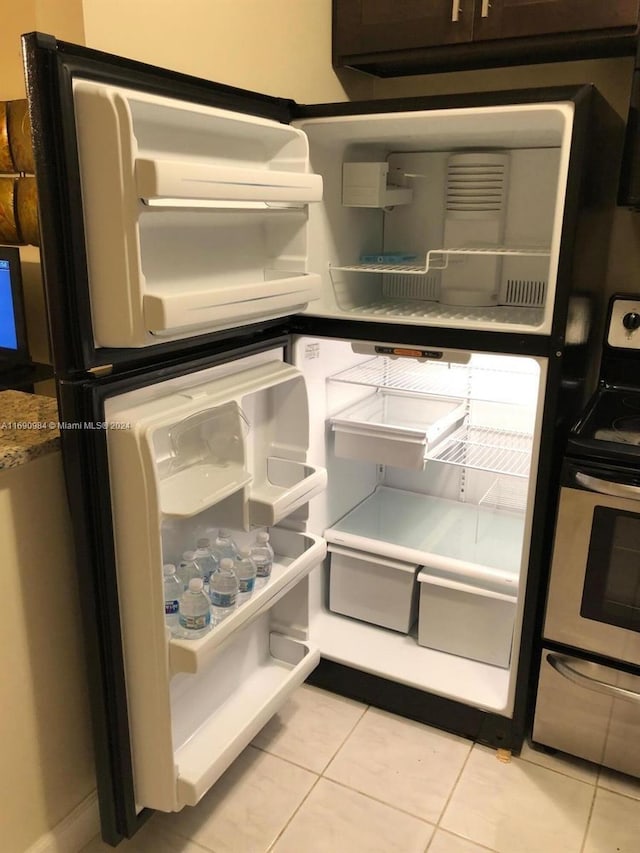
<point x="451" y="217"/>
<point x="224" y="447"/>
<point x="199" y="219"/>
<point x="419" y="524"/>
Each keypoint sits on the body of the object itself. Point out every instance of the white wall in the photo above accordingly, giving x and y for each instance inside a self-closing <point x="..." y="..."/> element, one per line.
<point x="279" y="47"/>
<point x="47" y="754"/>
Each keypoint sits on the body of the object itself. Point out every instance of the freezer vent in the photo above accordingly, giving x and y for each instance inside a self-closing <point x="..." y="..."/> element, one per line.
<point x="425" y="287"/>
<point x="476" y="185"/>
<point x="529" y="294"/>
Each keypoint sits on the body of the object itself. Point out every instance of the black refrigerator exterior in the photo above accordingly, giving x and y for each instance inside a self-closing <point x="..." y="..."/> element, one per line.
<point x="88" y="374"/>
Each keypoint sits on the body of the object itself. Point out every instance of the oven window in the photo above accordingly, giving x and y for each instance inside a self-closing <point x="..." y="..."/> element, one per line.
<point x="612" y="582"/>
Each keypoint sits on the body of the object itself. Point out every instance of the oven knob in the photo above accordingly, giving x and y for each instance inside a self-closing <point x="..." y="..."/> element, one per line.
<point x="631" y="321"/>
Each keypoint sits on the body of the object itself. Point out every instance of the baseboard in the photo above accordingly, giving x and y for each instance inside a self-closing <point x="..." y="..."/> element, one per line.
<point x="74" y="832"/>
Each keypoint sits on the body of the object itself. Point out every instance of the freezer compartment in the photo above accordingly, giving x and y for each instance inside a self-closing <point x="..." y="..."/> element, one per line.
<point x="195" y="217"/>
<point x="373" y="589"/>
<point x="474" y="239"/>
<point x="589" y="710"/>
<point x="395" y="429"/>
<point x="464" y="619"/>
<point x="296" y="554"/>
<point x="218" y="714"/>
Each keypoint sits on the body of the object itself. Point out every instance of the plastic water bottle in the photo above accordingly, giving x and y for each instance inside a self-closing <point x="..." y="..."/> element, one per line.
<point x="188" y="569"/>
<point x="205" y="561"/>
<point x="262" y="556"/>
<point x="224" y="547"/>
<point x="223" y="591"/>
<point x="172" y="594"/>
<point x="195" y="614"/>
<point x="246" y="571"/>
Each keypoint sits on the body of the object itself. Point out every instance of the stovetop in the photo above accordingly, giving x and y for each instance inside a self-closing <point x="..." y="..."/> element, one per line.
<point x="609" y="429"/>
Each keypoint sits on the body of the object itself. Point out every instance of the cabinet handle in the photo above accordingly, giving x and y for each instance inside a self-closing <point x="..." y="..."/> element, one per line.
<point x="486" y="5"/>
<point x="455" y="11"/>
<point x="561" y="666"/>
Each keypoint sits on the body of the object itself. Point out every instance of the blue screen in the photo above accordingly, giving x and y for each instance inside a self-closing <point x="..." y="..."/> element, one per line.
<point x="8" y="338"/>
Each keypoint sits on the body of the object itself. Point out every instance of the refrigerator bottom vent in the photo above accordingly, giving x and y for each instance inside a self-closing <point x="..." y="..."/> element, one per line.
<point x="530" y="294"/>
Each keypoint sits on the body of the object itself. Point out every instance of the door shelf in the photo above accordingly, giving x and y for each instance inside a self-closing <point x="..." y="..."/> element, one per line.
<point x="161" y="180"/>
<point x="287" y="486"/>
<point x="486" y="449"/>
<point x="194" y="489"/>
<point x="207" y="754"/>
<point x="296" y="555"/>
<point x="395" y="429"/>
<point x="438" y="259"/>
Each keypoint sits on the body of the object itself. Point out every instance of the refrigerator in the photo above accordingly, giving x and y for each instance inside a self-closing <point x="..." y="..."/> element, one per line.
<point x="355" y="326"/>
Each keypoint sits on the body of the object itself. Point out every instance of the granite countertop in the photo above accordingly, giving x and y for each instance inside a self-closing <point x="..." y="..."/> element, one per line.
<point x="28" y="427"/>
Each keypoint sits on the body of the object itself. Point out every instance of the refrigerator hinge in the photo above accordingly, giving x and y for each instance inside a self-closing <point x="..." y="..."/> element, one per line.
<point x="102" y="370"/>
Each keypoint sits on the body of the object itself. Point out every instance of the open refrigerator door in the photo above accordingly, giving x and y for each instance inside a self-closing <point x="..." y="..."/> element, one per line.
<point x="221" y="448"/>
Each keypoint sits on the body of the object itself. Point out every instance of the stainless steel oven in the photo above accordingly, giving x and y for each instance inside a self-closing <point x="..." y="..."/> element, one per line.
<point x="588" y="700"/>
<point x="594" y="589"/>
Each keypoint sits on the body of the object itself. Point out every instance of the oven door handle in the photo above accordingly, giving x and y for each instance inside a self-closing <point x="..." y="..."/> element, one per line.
<point x="606" y="487"/>
<point x="561" y="666"/>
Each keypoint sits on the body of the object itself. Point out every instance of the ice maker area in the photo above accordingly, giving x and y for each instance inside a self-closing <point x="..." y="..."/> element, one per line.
<point x="431" y="468"/>
<point x="450" y="218"/>
<point x="223" y="448"/>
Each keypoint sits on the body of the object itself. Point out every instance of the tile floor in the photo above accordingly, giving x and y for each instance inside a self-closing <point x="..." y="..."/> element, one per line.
<point x="329" y="775"/>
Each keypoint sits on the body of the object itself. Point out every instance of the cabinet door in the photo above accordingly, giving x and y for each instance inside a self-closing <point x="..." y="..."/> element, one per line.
<point x="501" y="19"/>
<point x="371" y="26"/>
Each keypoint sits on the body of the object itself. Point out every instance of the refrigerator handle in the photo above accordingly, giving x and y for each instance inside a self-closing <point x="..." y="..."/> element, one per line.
<point x="606" y="487"/>
<point x="561" y="666"/>
<point x="486" y="5"/>
<point x="455" y="11"/>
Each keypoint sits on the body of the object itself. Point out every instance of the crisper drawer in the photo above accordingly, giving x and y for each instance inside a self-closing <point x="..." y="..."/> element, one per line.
<point x="395" y="429"/>
<point x="465" y="619"/>
<point x="589" y="710"/>
<point x="372" y="588"/>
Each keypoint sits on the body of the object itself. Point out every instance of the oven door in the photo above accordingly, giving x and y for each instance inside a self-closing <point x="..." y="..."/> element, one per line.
<point x="594" y="590"/>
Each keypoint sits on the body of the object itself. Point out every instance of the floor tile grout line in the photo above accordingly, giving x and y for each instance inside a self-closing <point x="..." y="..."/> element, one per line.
<point x="293" y="814"/>
<point x="303" y="766"/>
<point x="589" y="816"/>
<point x="319" y="776"/>
<point x="345" y="738"/>
<point x="376" y="800"/>
<point x="559" y="772"/>
<point x="462" y="838"/>
<point x="454" y="786"/>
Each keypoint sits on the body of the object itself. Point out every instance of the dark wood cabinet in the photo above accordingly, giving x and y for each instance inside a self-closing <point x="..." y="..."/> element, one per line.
<point x="501" y="19"/>
<point x="394" y="37"/>
<point x="369" y="26"/>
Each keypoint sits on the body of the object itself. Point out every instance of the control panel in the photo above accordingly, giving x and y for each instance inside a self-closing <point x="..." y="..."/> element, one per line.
<point x="624" y="325"/>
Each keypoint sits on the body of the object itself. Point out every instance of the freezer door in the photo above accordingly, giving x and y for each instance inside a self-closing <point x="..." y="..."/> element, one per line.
<point x="172" y="208"/>
<point x="179" y="455"/>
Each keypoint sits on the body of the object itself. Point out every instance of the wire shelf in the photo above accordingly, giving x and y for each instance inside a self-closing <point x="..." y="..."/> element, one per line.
<point x="444" y="380"/>
<point x="506" y="493"/>
<point x="486" y="449"/>
<point x="438" y="259"/>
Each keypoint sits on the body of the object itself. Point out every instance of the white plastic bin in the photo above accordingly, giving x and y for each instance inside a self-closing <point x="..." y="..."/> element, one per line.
<point x="372" y="588"/>
<point x="395" y="429"/>
<point x="465" y="620"/>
